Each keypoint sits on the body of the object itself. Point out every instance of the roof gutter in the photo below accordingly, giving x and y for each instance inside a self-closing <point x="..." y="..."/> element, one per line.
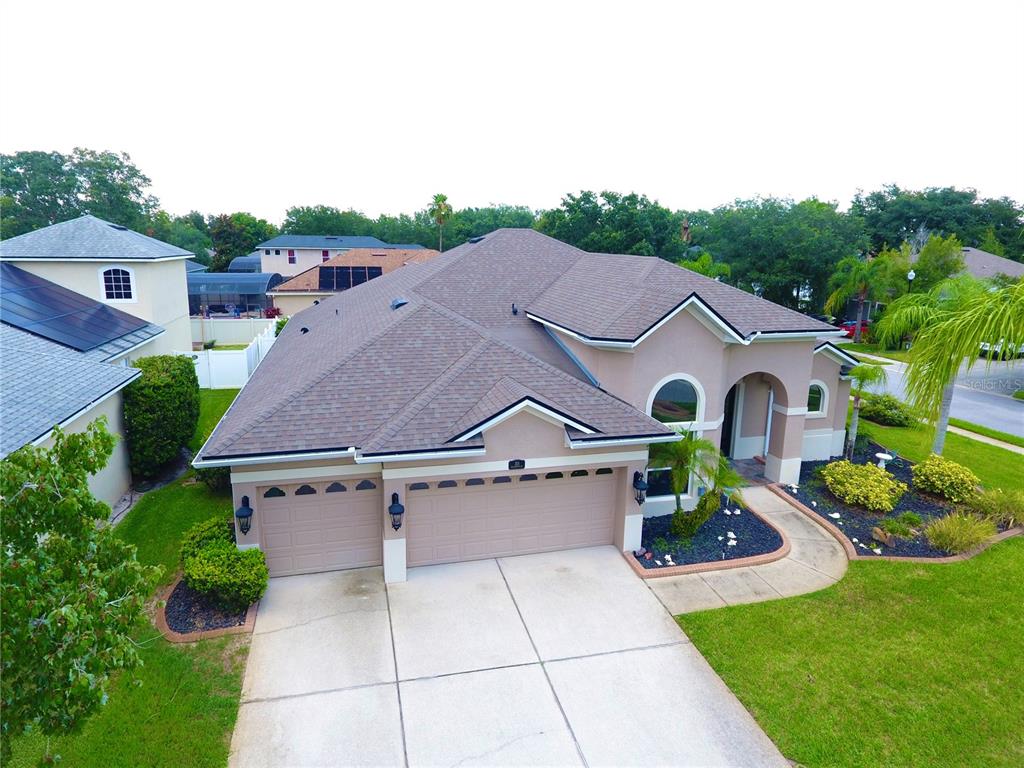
<point x="384" y="458"/>
<point x="638" y="440"/>
<point x="241" y="461"/>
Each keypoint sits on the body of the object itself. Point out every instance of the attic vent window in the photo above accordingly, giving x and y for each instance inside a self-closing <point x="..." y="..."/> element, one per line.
<point x="398" y="302"/>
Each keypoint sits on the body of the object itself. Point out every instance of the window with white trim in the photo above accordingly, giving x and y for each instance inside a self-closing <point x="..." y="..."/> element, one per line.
<point x="117" y="284"/>
<point x="817" y="400"/>
<point x="676" y="403"/>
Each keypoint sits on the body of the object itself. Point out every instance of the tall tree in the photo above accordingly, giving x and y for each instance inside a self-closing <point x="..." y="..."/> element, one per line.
<point x="704" y="263"/>
<point x="38" y="189"/>
<point x="860" y="279"/>
<point x="71" y="591"/>
<point x="779" y="249"/>
<point x="440" y="211"/>
<point x="236" y="234"/>
<point x="615" y="223"/>
<point x="182" y="232"/>
<point x="326" y="220"/>
<point x="950" y="325"/>
<point x="893" y="215"/>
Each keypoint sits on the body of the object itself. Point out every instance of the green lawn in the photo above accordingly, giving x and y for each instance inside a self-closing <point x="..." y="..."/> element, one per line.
<point x="872" y="349"/>
<point x="212" y="405"/>
<point x="995" y="467"/>
<point x="898" y="664"/>
<point x="179" y="708"/>
<point x="230" y="346"/>
<point x="1006" y="437"/>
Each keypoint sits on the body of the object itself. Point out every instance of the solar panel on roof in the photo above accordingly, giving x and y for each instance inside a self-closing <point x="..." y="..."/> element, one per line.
<point x="56" y="313"/>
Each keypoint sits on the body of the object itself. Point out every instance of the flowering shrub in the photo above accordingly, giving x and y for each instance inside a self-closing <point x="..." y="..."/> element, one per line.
<point x="864" y="485"/>
<point x="945" y="478"/>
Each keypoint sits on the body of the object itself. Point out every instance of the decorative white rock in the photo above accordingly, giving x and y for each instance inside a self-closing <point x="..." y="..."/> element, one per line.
<point x="726" y="511"/>
<point x="721" y="537"/>
<point x="855" y="540"/>
<point x="834" y="515"/>
<point x="657" y="562"/>
<point x="814" y="503"/>
<point x="730" y="534"/>
<point x="732" y="542"/>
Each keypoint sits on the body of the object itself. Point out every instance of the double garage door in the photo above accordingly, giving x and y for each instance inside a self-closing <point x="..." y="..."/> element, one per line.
<point x="335" y="524"/>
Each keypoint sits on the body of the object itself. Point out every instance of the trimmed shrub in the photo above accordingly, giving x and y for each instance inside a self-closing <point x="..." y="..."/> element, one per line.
<point x="945" y="478"/>
<point x="215" y="478"/>
<point x="232" y="577"/>
<point x="207" y="532"/>
<point x="863" y="485"/>
<point x="1004" y="508"/>
<point x="886" y="409"/>
<point x="958" y="532"/>
<point x="161" y="410"/>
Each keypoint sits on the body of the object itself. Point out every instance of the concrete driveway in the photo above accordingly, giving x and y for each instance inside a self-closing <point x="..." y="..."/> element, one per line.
<point x="552" y="659"/>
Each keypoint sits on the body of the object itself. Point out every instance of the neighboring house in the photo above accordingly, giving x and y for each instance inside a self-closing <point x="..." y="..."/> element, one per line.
<point x="139" y="275"/>
<point x="503" y="395"/>
<point x="291" y="254"/>
<point x="341" y="272"/>
<point x="63" y="362"/>
<point x="985" y="265"/>
<point x="249" y="263"/>
<point x="230" y="293"/>
<point x="194" y="266"/>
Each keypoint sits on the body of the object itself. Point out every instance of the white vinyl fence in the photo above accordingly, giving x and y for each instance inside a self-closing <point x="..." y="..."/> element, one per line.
<point x="231" y="368"/>
<point x="228" y="330"/>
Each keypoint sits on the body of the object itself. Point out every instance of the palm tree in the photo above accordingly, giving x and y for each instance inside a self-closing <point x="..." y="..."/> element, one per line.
<point x="705" y="264"/>
<point x="856" y="278"/>
<point x="863" y="375"/>
<point x="698" y="457"/>
<point x="440" y="211"/>
<point x="951" y="324"/>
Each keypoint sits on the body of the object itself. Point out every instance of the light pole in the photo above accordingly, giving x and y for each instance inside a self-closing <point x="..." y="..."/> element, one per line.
<point x="910" y="280"/>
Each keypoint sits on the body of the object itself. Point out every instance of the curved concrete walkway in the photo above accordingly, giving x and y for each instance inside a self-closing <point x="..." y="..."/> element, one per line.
<point x="815" y="561"/>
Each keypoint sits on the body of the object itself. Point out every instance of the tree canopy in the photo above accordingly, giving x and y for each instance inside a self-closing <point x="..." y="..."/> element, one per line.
<point x="236" y="234"/>
<point x="71" y="592"/>
<point x="38" y="189"/>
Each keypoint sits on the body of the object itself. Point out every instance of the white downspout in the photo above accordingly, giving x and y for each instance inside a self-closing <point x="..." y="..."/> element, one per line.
<point x="768" y="421"/>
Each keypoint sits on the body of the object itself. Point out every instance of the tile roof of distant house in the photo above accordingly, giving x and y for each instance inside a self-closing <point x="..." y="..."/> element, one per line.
<point x="88" y="239"/>
<point x="388" y="259"/>
<point x="44" y="384"/>
<point x="323" y="241"/>
<point x="356" y="373"/>
<point x="983" y="264"/>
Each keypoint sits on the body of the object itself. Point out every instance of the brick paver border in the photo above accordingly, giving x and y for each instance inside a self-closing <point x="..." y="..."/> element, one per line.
<point x="190" y="637"/>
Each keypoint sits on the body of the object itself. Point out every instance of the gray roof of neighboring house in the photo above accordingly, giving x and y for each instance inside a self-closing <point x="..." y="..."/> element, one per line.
<point x="88" y="239"/>
<point x="983" y="264"/>
<point x="324" y="241"/>
<point x="415" y="378"/>
<point x="44" y="384"/>
<point x="195" y="266"/>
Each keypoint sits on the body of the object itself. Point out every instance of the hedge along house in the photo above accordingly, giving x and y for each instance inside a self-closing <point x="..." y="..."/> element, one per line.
<point x="500" y="399"/>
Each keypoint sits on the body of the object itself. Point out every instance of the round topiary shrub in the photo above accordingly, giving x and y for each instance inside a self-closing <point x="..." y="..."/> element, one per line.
<point x="863" y="485"/>
<point x="886" y="409"/>
<point x="945" y="478"/>
<point x="232" y="577"/>
<point x="215" y="529"/>
<point x="161" y="410"/>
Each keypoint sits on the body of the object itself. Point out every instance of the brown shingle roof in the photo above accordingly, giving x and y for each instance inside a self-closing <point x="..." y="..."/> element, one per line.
<point x="388" y="259"/>
<point x="414" y="378"/>
<point x="983" y="264"/>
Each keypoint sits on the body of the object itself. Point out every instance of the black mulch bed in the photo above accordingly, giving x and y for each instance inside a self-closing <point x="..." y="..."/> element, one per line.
<point x="711" y="543"/>
<point x="856" y="523"/>
<point x="189" y="611"/>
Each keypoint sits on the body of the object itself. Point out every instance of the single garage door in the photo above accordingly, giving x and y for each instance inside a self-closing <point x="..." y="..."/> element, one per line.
<point x="321" y="526"/>
<point x="451" y="520"/>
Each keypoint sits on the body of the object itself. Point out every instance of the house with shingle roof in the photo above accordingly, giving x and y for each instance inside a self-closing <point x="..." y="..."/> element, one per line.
<point x="116" y="266"/>
<point x="500" y="399"/>
<point x="290" y="255"/>
<point x="339" y="273"/>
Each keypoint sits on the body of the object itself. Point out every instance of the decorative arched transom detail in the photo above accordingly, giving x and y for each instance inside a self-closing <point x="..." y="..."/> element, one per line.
<point x="273" y="493"/>
<point x="677" y="399"/>
<point x="579" y="473"/>
<point x="336" y="488"/>
<point x="447" y="484"/>
<point x="305" y="490"/>
<point x="475" y="481"/>
<point x="366" y="485"/>
<point x="419" y="486"/>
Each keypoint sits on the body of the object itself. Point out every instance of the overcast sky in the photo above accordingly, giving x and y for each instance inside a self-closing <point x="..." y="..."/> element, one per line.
<point x="378" y="105"/>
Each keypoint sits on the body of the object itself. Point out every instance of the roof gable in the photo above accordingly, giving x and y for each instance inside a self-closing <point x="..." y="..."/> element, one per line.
<point x="88" y="238"/>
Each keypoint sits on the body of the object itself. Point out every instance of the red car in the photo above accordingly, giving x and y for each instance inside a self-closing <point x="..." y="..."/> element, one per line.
<point x="850" y="326"/>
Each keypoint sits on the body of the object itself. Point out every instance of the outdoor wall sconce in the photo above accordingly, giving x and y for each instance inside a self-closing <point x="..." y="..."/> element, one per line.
<point x="639" y="488"/>
<point x="396" y="511"/>
<point x="244" y="516"/>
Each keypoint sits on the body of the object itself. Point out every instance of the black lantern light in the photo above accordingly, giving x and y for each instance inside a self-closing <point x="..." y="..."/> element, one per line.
<point x="639" y="487"/>
<point x="244" y="516"/>
<point x="396" y="510"/>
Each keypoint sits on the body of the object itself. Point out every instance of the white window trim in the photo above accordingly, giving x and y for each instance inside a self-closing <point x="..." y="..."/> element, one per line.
<point x="822" y="412"/>
<point x="697" y="425"/>
<point x="133" y="284"/>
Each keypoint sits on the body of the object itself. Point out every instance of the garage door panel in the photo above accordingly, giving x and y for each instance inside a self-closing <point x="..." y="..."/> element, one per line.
<point x="496" y="520"/>
<point x="317" y="532"/>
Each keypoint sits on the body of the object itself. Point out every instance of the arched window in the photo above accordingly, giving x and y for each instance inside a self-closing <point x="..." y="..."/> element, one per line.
<point x="817" y="399"/>
<point x="475" y="481"/>
<point x="501" y="479"/>
<point x="553" y="476"/>
<point x="117" y="284"/>
<point x="526" y="478"/>
<point x="336" y="488"/>
<point x="676" y="401"/>
<point x="419" y="486"/>
<point x="273" y="493"/>
<point x="447" y="484"/>
<point x="365" y="485"/>
<point x="305" y="490"/>
<point x="604" y="471"/>
<point x="579" y="473"/>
